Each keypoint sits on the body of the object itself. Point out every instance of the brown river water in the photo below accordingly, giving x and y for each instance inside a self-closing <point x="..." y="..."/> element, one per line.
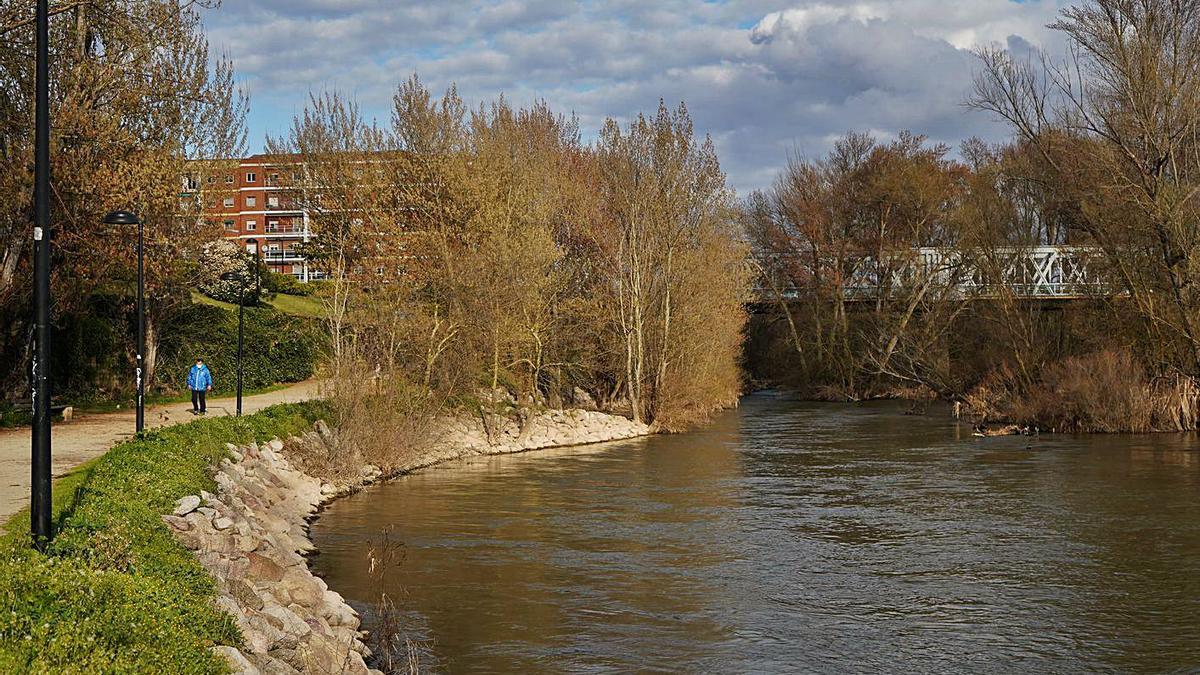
<point x="793" y="537"/>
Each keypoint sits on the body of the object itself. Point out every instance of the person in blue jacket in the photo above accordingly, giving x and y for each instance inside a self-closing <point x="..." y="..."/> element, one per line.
<point x="200" y="382"/>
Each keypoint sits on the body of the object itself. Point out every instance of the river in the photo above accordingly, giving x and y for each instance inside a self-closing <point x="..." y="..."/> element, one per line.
<point x="791" y="536"/>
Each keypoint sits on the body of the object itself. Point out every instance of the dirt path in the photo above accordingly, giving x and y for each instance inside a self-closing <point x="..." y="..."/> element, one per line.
<point x="89" y="436"/>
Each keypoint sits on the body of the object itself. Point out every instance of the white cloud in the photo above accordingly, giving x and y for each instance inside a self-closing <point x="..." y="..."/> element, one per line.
<point x="764" y="77"/>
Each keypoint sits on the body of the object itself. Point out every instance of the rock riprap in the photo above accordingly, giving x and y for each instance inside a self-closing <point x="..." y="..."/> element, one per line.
<point x="252" y="535"/>
<point x="463" y="436"/>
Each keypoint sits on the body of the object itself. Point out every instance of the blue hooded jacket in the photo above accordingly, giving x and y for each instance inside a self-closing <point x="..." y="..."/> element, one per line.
<point x="199" y="378"/>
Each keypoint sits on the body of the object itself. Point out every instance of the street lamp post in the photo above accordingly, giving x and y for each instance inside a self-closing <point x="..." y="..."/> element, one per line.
<point x="39" y="493"/>
<point x="127" y="218"/>
<point x="241" y="279"/>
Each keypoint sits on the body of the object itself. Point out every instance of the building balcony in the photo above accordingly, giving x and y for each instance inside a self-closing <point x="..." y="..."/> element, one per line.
<point x="278" y="258"/>
<point x="294" y="230"/>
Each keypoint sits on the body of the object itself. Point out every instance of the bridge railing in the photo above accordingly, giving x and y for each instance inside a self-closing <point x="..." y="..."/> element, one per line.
<point x="1038" y="272"/>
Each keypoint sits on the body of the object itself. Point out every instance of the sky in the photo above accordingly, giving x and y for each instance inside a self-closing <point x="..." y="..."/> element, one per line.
<point x="765" y="78"/>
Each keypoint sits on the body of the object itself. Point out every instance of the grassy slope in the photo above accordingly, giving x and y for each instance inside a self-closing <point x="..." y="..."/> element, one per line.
<point x="299" y="305"/>
<point x="288" y="304"/>
<point x="115" y="592"/>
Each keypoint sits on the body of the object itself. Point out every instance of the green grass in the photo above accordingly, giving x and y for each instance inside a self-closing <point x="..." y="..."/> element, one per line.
<point x="115" y="592"/>
<point x="12" y="418"/>
<point x="298" y="305"/>
<point x="295" y="305"/>
<point x="202" y="299"/>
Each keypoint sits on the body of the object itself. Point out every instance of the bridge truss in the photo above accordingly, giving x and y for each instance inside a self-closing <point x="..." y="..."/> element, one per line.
<point x="1032" y="273"/>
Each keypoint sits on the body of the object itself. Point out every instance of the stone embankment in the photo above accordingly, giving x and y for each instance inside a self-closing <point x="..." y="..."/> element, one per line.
<point x="252" y="535"/>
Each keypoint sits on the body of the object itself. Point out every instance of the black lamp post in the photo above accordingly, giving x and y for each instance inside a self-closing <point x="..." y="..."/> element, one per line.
<point x="241" y="279"/>
<point x="127" y="218"/>
<point x="39" y="493"/>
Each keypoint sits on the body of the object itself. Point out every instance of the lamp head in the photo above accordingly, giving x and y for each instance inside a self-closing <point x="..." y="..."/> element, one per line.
<point x="122" y="218"/>
<point x="231" y="276"/>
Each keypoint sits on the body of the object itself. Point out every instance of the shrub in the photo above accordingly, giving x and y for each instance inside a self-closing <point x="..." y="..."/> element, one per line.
<point x="12" y="417"/>
<point x="219" y="257"/>
<point x="115" y="592"/>
<point x="382" y="419"/>
<point x="1106" y="391"/>
<point x="286" y="284"/>
<point x="278" y="348"/>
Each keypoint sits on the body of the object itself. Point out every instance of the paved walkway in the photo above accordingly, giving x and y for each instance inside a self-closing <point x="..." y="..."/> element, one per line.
<point x="89" y="436"/>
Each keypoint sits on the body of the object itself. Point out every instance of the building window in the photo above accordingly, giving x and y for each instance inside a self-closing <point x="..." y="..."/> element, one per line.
<point x="229" y="225"/>
<point x="190" y="183"/>
<point x="273" y="201"/>
<point x="229" y="180"/>
<point x="379" y="271"/>
<point x="273" y="179"/>
<point x="272" y="226"/>
<point x="229" y="202"/>
<point x="251" y="200"/>
<point x="212" y="179"/>
<point x="250" y="177"/>
<point x="251" y="224"/>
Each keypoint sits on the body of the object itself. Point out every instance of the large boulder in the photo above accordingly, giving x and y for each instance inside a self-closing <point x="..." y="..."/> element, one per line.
<point x="187" y="504"/>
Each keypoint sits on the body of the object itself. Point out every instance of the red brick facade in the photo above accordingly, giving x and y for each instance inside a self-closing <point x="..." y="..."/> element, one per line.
<point x="251" y="203"/>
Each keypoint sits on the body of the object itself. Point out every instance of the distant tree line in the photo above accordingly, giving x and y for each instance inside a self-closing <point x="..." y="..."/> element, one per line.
<point x="1105" y="154"/>
<point x="493" y="249"/>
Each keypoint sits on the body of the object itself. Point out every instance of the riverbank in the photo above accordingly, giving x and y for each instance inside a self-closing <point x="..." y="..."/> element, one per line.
<point x="182" y="550"/>
<point x="115" y="591"/>
<point x="252" y="534"/>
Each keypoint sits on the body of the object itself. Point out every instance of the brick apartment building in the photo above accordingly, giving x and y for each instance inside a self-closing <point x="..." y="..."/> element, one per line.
<point x="250" y="200"/>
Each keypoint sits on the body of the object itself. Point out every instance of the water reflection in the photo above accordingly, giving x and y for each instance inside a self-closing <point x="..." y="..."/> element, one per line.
<point x="796" y="536"/>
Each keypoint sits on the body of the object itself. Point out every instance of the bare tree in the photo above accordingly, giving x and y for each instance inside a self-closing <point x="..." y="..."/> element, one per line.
<point x="1116" y="126"/>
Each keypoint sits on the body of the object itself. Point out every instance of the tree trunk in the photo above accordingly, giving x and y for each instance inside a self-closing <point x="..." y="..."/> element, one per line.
<point x="8" y="261"/>
<point x="151" y="355"/>
<point x="664" y="351"/>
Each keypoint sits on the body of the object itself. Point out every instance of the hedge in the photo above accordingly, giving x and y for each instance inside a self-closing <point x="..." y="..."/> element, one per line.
<point x="286" y="284"/>
<point x="115" y="592"/>
<point x="278" y="348"/>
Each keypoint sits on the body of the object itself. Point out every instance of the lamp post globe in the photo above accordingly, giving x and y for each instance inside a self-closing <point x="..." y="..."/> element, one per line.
<point x="122" y="218"/>
<point x="130" y="218"/>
